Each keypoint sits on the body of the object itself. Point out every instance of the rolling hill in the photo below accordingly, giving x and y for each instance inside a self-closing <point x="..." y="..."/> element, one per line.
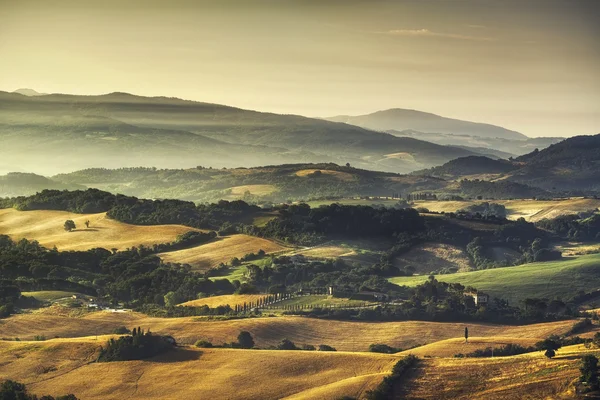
<point x="570" y="165"/>
<point x="277" y="183"/>
<point x="47" y="228"/>
<point x="120" y="129"/>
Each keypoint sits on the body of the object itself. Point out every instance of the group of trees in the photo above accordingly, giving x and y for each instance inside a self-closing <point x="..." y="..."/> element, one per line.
<point x="137" y="346"/>
<point x="133" y="276"/>
<point x="574" y="227"/>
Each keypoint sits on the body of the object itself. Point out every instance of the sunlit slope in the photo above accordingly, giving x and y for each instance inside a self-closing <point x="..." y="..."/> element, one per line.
<point x="191" y="373"/>
<point x="231" y="299"/>
<point x="551" y="279"/>
<point x="268" y="331"/>
<point x="527" y="376"/>
<point x="47" y="228"/>
<point x="531" y="210"/>
<point x="221" y="250"/>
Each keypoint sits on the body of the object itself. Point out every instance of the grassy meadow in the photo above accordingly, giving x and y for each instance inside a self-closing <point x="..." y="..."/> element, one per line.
<point x="553" y="279"/>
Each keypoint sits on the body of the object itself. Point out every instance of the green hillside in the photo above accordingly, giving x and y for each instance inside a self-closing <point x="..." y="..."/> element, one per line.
<point x="556" y="279"/>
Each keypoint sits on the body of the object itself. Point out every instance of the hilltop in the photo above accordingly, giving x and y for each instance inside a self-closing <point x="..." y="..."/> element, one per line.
<point x="120" y="129"/>
<point x="276" y="183"/>
<point x="472" y="165"/>
<point x="402" y="119"/>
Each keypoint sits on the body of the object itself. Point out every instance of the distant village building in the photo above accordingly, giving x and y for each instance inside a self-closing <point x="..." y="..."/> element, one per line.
<point x="480" y="299"/>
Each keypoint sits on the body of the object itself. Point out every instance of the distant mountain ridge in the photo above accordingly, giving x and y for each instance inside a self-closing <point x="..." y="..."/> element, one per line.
<point x="121" y="129"/>
<point x="402" y="119"/>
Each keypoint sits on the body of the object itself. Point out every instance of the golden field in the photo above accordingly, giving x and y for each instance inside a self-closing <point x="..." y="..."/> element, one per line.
<point x="526" y="376"/>
<point x="531" y="210"/>
<point x="231" y="299"/>
<point x="268" y="331"/>
<point x="47" y="228"/>
<point x="257" y="190"/>
<point x="343" y="176"/>
<point x="59" y="366"/>
<point x="221" y="250"/>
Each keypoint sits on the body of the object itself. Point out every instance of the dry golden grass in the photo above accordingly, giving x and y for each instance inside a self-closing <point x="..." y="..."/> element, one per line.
<point x="434" y="256"/>
<point x="451" y="347"/>
<point x="47" y="228"/>
<point x="221" y="250"/>
<point x="65" y="367"/>
<point x="344" y="176"/>
<point x="268" y="331"/>
<point x="231" y="299"/>
<point x="577" y="249"/>
<point x="532" y="210"/>
<point x="257" y="190"/>
<point x="527" y="376"/>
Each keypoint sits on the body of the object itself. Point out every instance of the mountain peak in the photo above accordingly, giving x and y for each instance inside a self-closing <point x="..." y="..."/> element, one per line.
<point x="400" y="119"/>
<point x="29" y="92"/>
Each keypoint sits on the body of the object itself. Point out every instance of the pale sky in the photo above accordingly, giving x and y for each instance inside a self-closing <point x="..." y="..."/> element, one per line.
<point x="528" y="65"/>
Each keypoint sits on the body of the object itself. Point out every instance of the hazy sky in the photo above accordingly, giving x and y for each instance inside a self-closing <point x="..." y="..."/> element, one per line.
<point x="528" y="65"/>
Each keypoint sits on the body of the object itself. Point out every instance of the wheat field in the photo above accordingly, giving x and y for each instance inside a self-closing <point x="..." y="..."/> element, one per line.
<point x="47" y="228"/>
<point x="269" y="331"/>
<point x="231" y="299"/>
<point x="222" y="250"/>
<point x="531" y="210"/>
<point x="60" y="366"/>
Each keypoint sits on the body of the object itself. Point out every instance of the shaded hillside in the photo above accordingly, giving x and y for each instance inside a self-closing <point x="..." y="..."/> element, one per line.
<point x="499" y="147"/>
<point x="23" y="184"/>
<point x="471" y="165"/>
<point x="262" y="184"/>
<point x="569" y="165"/>
<point x="401" y="119"/>
<point x="120" y="129"/>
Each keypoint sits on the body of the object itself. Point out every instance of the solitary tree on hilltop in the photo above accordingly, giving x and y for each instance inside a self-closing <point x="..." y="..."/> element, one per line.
<point x="69" y="225"/>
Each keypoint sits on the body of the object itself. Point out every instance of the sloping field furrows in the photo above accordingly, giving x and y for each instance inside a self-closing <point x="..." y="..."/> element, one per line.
<point x="269" y="331"/>
<point x="222" y="250"/>
<point x="194" y="374"/>
<point x="231" y="299"/>
<point x="47" y="228"/>
<point x="527" y="376"/>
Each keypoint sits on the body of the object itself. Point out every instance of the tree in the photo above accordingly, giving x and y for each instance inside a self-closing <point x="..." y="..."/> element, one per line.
<point x="69" y="225"/>
<point x="348" y="164"/>
<point x="245" y="340"/>
<point x="466" y="335"/>
<point x="171" y="299"/>
<point x="549" y="345"/>
<point x="286" y="344"/>
<point x="589" y="371"/>
<point x="87" y="223"/>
